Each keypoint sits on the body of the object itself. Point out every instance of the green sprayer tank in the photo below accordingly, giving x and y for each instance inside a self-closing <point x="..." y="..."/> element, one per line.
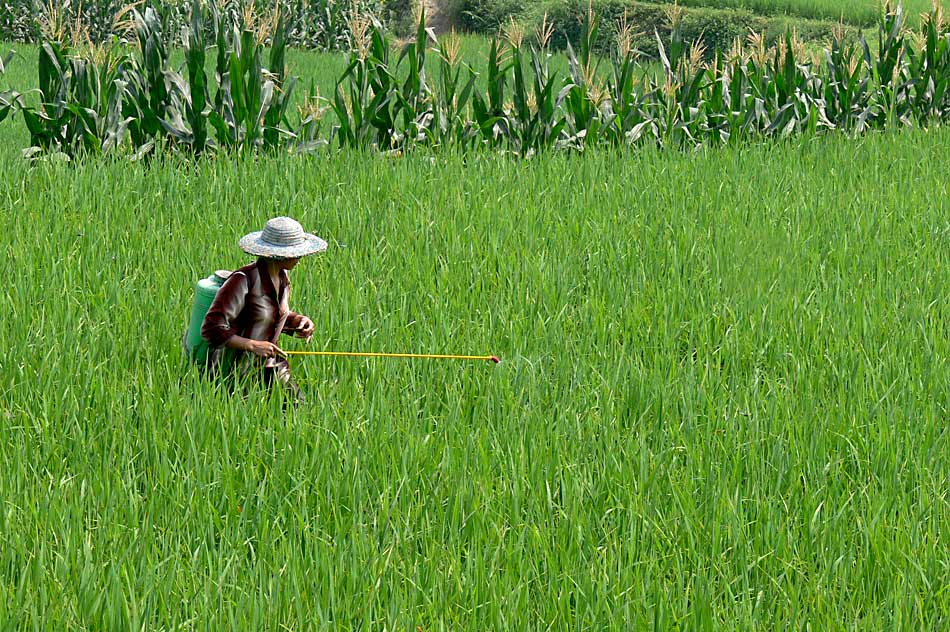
<point x="195" y="346"/>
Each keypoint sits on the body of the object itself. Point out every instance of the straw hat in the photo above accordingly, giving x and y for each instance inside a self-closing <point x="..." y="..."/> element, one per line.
<point x="282" y="238"/>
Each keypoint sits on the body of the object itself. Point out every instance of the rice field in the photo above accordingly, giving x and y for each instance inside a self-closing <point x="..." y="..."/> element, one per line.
<point x="722" y="404"/>
<point x="858" y="12"/>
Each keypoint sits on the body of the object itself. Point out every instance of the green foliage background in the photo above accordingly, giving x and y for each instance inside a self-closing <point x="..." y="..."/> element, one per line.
<point x="722" y="401"/>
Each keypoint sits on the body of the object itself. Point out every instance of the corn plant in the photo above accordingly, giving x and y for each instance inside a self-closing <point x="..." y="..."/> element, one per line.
<point x="490" y="118"/>
<point x="373" y="107"/>
<point x="251" y="100"/>
<point x="275" y="116"/>
<point x="794" y="96"/>
<point x="678" y="103"/>
<point x="187" y="120"/>
<point x="309" y="137"/>
<point x="629" y="122"/>
<point x="847" y="87"/>
<point x="9" y="99"/>
<point x="413" y="100"/>
<point x="535" y="122"/>
<point x="149" y="96"/>
<point x="81" y="101"/>
<point x="450" y="98"/>
<point x="93" y="98"/>
<point x="325" y="24"/>
<point x="315" y="24"/>
<point x="17" y="21"/>
<point x="582" y="97"/>
<point x="887" y="68"/>
<point x="929" y="70"/>
<point x="729" y="107"/>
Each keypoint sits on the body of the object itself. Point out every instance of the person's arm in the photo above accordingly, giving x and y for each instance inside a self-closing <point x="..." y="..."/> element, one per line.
<point x="219" y="327"/>
<point x="262" y="348"/>
<point x="299" y="325"/>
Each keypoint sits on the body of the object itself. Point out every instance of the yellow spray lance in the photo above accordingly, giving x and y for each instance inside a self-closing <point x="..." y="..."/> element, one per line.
<point x="369" y="354"/>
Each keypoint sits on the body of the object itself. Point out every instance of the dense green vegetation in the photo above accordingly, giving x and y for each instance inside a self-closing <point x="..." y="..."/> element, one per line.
<point x="858" y="12"/>
<point x="725" y="377"/>
<point x="722" y="401"/>
<point x="481" y="15"/>
<point x="313" y="24"/>
<point x="100" y="100"/>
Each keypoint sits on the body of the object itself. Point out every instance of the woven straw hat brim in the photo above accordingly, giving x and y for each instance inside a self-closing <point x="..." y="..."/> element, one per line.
<point x="252" y="244"/>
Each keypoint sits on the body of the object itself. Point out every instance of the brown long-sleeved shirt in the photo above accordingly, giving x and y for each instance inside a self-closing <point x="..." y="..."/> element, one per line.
<point x="248" y="305"/>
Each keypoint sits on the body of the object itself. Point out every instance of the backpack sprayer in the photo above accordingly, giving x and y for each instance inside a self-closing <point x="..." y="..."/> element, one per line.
<point x="196" y="347"/>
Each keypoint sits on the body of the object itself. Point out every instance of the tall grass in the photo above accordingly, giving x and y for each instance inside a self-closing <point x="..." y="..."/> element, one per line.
<point x="722" y="402"/>
<point x="858" y="12"/>
<point x="809" y="16"/>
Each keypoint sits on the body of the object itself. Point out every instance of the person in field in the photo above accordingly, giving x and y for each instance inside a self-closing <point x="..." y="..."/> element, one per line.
<point x="252" y="308"/>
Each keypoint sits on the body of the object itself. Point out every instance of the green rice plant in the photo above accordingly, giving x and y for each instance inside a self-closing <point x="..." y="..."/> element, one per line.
<point x="722" y="402"/>
<point x="857" y="12"/>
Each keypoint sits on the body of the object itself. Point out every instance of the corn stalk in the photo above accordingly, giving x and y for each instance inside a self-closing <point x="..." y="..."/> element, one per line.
<point x="630" y="123"/>
<point x="81" y="102"/>
<point x="535" y="122"/>
<point x="581" y="96"/>
<point x="929" y="70"/>
<point x="450" y="101"/>
<point x="490" y="117"/>
<point x="366" y="106"/>
<point x="9" y="99"/>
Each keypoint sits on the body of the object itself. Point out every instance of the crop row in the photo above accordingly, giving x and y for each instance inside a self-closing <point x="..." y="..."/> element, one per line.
<point x="100" y="100"/>
<point x="316" y="24"/>
<point x="486" y="15"/>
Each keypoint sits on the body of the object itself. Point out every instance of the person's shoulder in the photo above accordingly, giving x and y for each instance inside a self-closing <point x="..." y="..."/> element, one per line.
<point x="251" y="272"/>
<point x="247" y="274"/>
<point x="247" y="270"/>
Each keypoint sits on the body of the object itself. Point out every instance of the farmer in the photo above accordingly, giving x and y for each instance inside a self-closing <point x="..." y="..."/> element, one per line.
<point x="251" y="309"/>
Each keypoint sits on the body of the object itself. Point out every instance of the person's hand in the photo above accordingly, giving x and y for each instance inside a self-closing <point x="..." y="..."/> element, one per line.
<point x="263" y="348"/>
<point x="305" y="330"/>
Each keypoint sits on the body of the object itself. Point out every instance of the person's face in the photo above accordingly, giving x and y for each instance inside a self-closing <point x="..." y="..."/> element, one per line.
<point x="287" y="264"/>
